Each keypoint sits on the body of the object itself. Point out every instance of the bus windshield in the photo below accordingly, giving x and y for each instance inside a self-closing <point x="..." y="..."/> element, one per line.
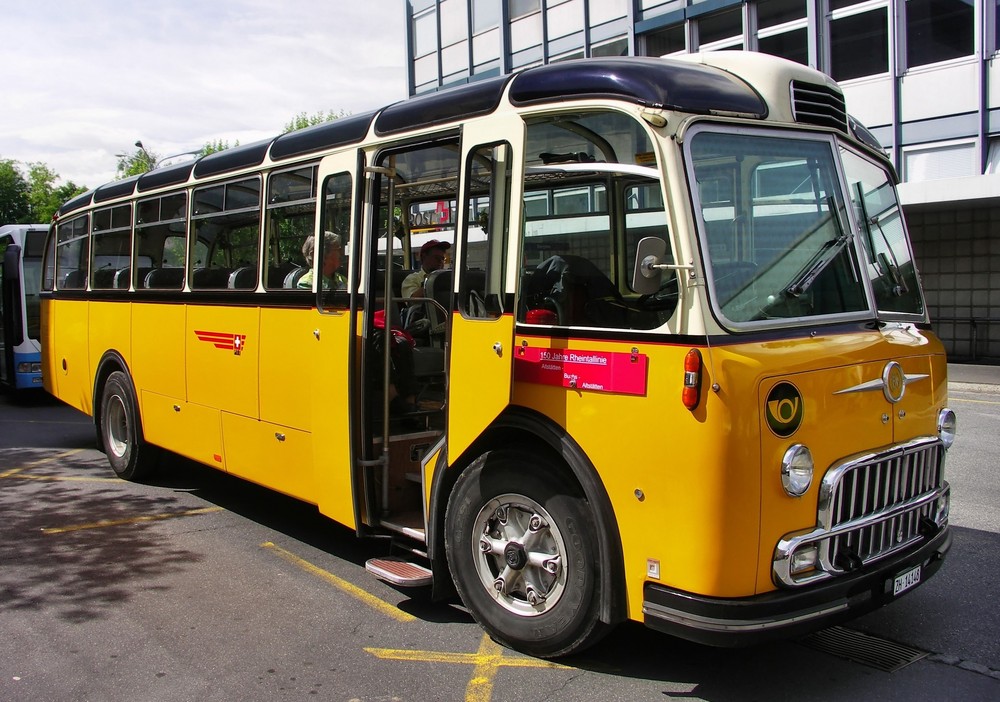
<point x="775" y="228"/>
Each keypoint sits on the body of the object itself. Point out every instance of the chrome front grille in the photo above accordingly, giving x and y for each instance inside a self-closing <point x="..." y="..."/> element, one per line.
<point x="879" y="505"/>
<point x="871" y="506"/>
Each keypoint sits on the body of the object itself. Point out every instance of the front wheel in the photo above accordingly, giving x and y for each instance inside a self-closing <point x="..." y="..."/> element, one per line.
<point x="522" y="553"/>
<point x="121" y="432"/>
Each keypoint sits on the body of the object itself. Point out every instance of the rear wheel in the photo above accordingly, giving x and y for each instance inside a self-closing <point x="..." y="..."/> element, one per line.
<point x="522" y="554"/>
<point x="121" y="432"/>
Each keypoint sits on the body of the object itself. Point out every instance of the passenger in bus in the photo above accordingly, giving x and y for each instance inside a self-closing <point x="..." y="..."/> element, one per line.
<point x="432" y="258"/>
<point x="333" y="279"/>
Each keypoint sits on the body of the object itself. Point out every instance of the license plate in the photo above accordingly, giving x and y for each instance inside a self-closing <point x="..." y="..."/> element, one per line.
<point x="905" y="581"/>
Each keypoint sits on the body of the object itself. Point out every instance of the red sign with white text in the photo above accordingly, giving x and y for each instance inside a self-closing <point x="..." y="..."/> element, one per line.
<point x="596" y="371"/>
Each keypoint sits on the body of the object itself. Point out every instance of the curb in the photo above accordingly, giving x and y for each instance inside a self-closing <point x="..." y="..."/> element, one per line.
<point x="973" y="387"/>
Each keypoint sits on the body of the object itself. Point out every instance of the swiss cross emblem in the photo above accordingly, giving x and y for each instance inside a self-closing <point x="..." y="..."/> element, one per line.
<point x="224" y="340"/>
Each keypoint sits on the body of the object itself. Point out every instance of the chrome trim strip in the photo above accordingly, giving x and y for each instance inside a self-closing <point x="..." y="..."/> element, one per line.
<point x="702" y="623"/>
<point x="880" y="384"/>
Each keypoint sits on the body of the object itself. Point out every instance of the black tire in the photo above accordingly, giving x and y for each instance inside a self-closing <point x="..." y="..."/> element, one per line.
<point x="512" y="517"/>
<point x="121" y="431"/>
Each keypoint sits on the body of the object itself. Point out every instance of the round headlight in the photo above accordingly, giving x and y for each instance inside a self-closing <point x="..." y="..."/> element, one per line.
<point x="796" y="470"/>
<point x="947" y="424"/>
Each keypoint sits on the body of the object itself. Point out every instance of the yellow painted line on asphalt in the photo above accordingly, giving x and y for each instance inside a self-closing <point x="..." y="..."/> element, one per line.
<point x="351" y="589"/>
<point x="131" y="520"/>
<point x="41" y="461"/>
<point x="487" y="661"/>
<point x="976" y="402"/>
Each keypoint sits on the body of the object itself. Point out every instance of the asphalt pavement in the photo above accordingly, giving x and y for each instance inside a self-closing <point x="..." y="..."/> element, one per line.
<point x="972" y="377"/>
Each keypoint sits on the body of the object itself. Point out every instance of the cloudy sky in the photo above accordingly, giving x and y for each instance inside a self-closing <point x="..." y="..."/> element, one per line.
<point x="82" y="81"/>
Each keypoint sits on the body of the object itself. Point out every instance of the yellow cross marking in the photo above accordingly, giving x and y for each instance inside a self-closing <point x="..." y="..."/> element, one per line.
<point x="131" y="520"/>
<point x="487" y="661"/>
<point x="40" y="461"/>
<point x="351" y="589"/>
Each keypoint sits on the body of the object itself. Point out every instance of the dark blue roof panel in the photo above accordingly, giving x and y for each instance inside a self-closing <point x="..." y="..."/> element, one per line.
<point x="479" y="98"/>
<point x="162" y="177"/>
<point x="116" y="188"/>
<point x="232" y="159"/>
<point x="78" y="202"/>
<point x="653" y="82"/>
<point x="329" y="135"/>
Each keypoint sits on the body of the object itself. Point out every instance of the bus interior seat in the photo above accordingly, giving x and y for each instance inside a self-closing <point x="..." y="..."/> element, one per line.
<point x="103" y="278"/>
<point x="75" y="280"/>
<point x="438" y="287"/>
<point x="165" y="278"/>
<point x="276" y="274"/>
<point x="577" y="290"/>
<point x="210" y="278"/>
<point x="244" y="278"/>
<point x="292" y="277"/>
<point x="122" y="279"/>
<point x="473" y="288"/>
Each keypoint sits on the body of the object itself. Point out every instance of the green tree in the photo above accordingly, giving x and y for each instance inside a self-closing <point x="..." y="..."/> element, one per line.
<point x="14" y="205"/>
<point x="137" y="162"/>
<point x="303" y="120"/>
<point x="44" y="197"/>
<point x="212" y="147"/>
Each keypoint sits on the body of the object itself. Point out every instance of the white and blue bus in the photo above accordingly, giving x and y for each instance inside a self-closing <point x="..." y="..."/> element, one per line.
<point x="21" y="247"/>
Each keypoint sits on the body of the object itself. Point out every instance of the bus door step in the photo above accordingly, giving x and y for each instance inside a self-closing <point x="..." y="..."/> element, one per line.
<point x="399" y="571"/>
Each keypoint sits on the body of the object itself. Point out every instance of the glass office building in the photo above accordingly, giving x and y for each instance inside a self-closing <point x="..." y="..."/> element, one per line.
<point x="923" y="75"/>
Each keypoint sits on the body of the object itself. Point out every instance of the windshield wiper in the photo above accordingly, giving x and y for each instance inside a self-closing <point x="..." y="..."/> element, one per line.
<point x="822" y="258"/>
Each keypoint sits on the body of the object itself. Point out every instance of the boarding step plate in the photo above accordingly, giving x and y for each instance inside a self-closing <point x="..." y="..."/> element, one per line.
<point x="399" y="571"/>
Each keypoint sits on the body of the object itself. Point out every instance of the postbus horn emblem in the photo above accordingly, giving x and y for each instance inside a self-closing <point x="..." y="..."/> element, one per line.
<point x="893" y="382"/>
<point x="783" y="409"/>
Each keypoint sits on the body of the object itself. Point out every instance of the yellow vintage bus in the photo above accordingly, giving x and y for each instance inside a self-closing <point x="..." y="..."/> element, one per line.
<point x="679" y="371"/>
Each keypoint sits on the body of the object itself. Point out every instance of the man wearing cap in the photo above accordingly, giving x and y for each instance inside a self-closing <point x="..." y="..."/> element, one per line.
<point x="431" y="259"/>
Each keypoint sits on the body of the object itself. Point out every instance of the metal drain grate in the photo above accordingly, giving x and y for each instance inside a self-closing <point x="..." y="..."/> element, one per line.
<point x="862" y="648"/>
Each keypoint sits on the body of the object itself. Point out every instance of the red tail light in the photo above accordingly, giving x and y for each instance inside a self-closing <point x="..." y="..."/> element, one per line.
<point x="691" y="393"/>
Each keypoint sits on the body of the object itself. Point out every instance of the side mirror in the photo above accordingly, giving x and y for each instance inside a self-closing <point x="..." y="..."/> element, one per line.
<point x="646" y="278"/>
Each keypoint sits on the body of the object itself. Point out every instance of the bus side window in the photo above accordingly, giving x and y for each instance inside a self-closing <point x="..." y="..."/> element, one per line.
<point x="160" y="243"/>
<point x="291" y="218"/>
<point x="485" y="235"/>
<point x="72" y="253"/>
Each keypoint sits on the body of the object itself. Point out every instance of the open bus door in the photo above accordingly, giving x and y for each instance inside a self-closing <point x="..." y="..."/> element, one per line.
<point x="482" y="335"/>
<point x="11" y="313"/>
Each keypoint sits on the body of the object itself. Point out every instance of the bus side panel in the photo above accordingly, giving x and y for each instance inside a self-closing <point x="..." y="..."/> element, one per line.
<point x="223" y="353"/>
<point x="327" y="373"/>
<point x="270" y="455"/>
<point x="684" y="487"/>
<point x="191" y="430"/>
<point x="67" y="371"/>
<point x="110" y="330"/>
<point x="158" y="349"/>
<point x="287" y="347"/>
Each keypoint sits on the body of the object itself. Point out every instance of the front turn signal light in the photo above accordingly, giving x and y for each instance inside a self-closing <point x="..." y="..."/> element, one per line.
<point x="691" y="393"/>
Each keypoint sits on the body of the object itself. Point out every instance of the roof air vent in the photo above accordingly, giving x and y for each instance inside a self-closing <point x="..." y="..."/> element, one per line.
<point x="820" y="105"/>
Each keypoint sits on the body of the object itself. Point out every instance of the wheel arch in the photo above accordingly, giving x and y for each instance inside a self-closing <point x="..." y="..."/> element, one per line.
<point x="523" y="427"/>
<point x="110" y="362"/>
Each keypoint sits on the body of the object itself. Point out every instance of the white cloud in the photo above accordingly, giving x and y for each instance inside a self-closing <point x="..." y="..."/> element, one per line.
<point x="90" y="78"/>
